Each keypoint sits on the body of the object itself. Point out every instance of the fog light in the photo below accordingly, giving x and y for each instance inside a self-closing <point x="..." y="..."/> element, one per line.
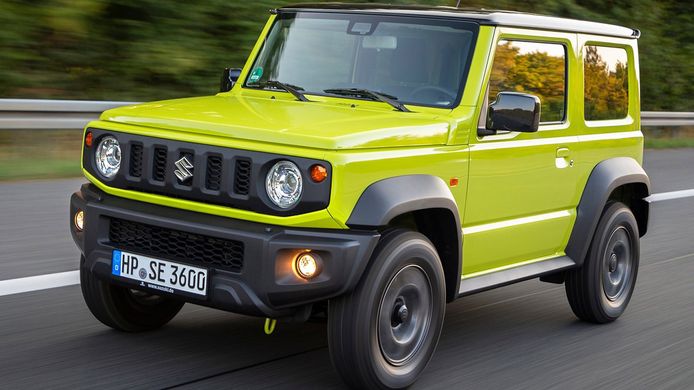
<point x="307" y="265"/>
<point x="79" y="220"/>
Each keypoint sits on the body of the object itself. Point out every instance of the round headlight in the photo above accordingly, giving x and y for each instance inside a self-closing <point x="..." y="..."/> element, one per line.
<point x="108" y="156"/>
<point x="283" y="184"/>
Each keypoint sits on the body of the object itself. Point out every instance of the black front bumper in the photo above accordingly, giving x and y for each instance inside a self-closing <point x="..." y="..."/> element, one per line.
<point x="265" y="285"/>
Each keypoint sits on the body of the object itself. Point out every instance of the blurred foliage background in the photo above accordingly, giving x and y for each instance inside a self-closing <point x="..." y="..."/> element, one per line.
<point x="152" y="49"/>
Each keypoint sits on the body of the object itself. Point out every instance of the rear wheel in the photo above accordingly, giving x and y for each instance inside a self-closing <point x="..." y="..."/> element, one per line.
<point x="600" y="290"/>
<point x="384" y="333"/>
<point x="125" y="309"/>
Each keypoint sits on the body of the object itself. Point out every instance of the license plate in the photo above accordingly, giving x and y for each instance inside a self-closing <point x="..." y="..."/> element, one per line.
<point x="159" y="274"/>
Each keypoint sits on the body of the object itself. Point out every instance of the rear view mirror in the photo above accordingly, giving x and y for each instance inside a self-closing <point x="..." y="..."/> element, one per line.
<point x="380" y="42"/>
<point x="229" y="77"/>
<point x="513" y="111"/>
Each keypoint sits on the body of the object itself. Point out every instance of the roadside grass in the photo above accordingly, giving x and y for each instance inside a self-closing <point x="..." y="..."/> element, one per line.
<point x="39" y="154"/>
<point x="41" y="168"/>
<point x="668" y="137"/>
<point x="46" y="154"/>
<point x="669" y="143"/>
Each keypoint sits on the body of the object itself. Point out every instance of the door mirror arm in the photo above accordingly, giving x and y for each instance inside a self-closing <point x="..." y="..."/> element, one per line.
<point x="229" y="77"/>
<point x="484" y="132"/>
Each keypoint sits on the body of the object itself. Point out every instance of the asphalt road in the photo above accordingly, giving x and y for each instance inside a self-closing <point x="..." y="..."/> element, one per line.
<point x="522" y="336"/>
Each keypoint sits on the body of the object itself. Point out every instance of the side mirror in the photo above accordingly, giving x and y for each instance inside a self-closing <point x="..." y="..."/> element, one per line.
<point x="229" y="77"/>
<point x="513" y="111"/>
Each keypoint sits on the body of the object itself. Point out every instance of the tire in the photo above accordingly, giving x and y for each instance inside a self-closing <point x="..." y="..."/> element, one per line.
<point x="125" y="309"/>
<point x="599" y="291"/>
<point x="400" y="297"/>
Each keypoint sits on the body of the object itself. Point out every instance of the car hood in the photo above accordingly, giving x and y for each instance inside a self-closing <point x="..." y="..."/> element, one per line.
<point x="329" y="124"/>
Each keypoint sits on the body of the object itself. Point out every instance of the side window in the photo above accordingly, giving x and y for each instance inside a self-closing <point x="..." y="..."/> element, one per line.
<point x="535" y="68"/>
<point x="606" y="85"/>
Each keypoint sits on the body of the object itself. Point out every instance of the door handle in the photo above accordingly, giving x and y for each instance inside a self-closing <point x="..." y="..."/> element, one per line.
<point x="563" y="152"/>
<point x="562" y="160"/>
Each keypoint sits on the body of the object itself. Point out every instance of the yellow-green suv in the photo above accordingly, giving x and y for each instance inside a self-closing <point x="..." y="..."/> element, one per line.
<point x="374" y="162"/>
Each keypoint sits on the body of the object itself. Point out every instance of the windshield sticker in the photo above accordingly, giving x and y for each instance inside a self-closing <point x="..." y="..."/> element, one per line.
<point x="256" y="74"/>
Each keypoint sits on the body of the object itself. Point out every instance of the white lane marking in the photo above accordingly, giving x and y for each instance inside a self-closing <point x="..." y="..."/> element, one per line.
<point x="691" y="255"/>
<point x="41" y="282"/>
<point x="670" y="195"/>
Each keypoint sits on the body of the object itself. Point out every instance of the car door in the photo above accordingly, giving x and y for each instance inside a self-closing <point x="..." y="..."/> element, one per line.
<point x="522" y="186"/>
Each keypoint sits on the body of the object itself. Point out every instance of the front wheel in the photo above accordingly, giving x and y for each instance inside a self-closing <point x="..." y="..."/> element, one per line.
<point x="123" y="308"/>
<point x="600" y="290"/>
<point x="384" y="333"/>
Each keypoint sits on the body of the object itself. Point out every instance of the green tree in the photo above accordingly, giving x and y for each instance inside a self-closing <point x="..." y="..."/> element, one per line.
<point x="605" y="90"/>
<point x="537" y="73"/>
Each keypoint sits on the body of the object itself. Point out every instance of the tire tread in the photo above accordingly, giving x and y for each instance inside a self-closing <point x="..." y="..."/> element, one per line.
<point x="582" y="290"/>
<point x="346" y="313"/>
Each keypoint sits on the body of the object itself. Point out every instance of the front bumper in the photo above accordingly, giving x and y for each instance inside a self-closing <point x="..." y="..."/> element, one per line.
<point x="264" y="286"/>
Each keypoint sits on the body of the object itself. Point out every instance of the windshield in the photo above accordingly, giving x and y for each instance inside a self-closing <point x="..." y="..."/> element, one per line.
<point x="408" y="59"/>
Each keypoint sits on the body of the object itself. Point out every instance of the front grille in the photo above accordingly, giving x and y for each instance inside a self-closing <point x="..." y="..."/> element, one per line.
<point x="214" y="175"/>
<point x="213" y="178"/>
<point x="187" y="247"/>
<point x="159" y="164"/>
<point x="242" y="176"/>
<point x="136" y="159"/>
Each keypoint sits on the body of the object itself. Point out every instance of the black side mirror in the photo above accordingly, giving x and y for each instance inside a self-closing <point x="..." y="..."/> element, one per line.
<point x="229" y="77"/>
<point x="513" y="111"/>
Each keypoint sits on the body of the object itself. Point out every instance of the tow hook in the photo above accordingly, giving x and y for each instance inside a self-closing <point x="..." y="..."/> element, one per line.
<point x="270" y="324"/>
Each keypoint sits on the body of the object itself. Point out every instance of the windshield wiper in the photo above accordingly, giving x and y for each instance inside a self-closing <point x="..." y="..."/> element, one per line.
<point x="366" y="93"/>
<point x="293" y="89"/>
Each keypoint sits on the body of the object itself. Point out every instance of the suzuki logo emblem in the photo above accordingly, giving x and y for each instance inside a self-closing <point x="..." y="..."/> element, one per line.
<point x="184" y="166"/>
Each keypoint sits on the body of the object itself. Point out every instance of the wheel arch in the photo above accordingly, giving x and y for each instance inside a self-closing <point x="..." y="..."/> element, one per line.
<point x="619" y="179"/>
<point x="423" y="203"/>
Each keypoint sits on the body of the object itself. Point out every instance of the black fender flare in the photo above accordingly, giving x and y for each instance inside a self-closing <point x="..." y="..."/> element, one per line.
<point x="388" y="198"/>
<point x="603" y="180"/>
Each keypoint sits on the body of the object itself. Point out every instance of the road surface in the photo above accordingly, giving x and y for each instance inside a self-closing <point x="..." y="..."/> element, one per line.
<point x="522" y="336"/>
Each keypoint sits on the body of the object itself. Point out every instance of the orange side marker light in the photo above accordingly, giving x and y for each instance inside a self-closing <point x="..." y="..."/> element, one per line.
<point x="88" y="139"/>
<point x="318" y="173"/>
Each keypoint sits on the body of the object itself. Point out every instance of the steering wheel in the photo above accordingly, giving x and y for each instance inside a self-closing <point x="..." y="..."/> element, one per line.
<point x="449" y="94"/>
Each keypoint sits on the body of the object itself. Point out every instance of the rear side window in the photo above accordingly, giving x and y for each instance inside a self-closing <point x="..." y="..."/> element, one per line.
<point x="606" y="85"/>
<point x="532" y="67"/>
